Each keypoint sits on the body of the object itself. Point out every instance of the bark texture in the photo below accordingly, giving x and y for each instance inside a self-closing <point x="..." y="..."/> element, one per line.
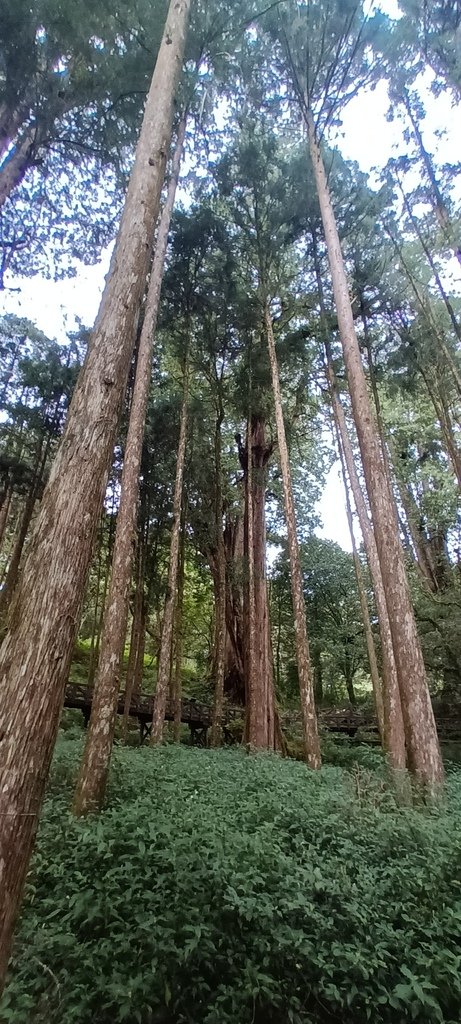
<point x="37" y="651"/>
<point x="309" y="717"/>
<point x="163" y="677"/>
<point x="420" y="730"/>
<point x="374" y="671"/>
<point x="260" y="704"/>
<point x="220" y="612"/>
<point x="91" y="784"/>
<point x="178" y="652"/>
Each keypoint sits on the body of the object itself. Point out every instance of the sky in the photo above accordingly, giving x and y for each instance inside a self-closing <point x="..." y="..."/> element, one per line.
<point x="366" y="136"/>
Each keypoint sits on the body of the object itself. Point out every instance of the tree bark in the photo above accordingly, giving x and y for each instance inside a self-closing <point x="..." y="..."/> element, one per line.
<point x="254" y="461"/>
<point x="374" y="671"/>
<point x="91" y="784"/>
<point x="309" y="717"/>
<point x="394" y="735"/>
<point x="177" y="678"/>
<point x="16" y="164"/>
<point x="220" y="608"/>
<point x="4" y="513"/>
<point x="420" y="730"/>
<point x="161" y="693"/>
<point x="37" y="651"/>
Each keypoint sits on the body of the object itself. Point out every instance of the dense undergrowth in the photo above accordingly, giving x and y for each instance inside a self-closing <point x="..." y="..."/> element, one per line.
<point x="218" y="887"/>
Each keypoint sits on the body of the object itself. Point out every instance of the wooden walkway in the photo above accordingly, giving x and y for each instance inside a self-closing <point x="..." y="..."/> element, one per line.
<point x="194" y="714"/>
<point x="346" y="721"/>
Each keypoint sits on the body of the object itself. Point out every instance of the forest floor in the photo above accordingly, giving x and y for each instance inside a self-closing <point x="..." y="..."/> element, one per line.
<point x="219" y="887"/>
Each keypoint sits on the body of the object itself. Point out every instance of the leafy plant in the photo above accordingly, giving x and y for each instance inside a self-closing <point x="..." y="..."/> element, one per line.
<point x="217" y="887"/>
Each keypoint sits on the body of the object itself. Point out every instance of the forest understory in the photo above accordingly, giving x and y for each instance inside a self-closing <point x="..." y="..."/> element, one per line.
<point x="230" y="512"/>
<point x="222" y="887"/>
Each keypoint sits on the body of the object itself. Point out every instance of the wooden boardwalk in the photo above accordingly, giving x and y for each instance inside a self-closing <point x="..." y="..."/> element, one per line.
<point x="347" y="721"/>
<point x="194" y="714"/>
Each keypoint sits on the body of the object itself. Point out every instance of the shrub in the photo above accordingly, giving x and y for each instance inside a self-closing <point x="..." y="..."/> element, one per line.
<point x="218" y="887"/>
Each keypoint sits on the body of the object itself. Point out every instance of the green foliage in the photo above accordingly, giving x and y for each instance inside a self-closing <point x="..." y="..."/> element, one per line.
<point x="221" y="888"/>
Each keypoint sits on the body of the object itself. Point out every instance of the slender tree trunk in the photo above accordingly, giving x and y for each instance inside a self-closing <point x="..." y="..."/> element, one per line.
<point x="394" y="735"/>
<point x="135" y="666"/>
<point x="12" y="573"/>
<point x="4" y="513"/>
<point x="177" y="679"/>
<point x="101" y="598"/>
<point x="425" y="308"/>
<point x="220" y="610"/>
<point x="36" y="653"/>
<point x="16" y="165"/>
<point x="430" y="259"/>
<point x="309" y="717"/>
<point x="318" y="672"/>
<point x="255" y="460"/>
<point x="91" y="784"/>
<point x="420" y="730"/>
<point x="374" y="671"/>
<point x="161" y="693"/>
<point x="439" y="204"/>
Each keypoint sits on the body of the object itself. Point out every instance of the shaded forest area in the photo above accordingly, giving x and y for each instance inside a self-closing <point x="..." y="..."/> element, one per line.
<point x="270" y="312"/>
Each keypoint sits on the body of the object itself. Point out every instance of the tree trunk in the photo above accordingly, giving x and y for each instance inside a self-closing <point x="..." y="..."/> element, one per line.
<point x="439" y="204"/>
<point x="36" y="654"/>
<point x="16" y="164"/>
<point x="177" y="679"/>
<point x="258" y="666"/>
<point x="393" y="735"/>
<point x="161" y="693"/>
<point x="4" y="513"/>
<point x="91" y="784"/>
<point x="430" y="259"/>
<point x="234" y="672"/>
<point x="101" y="598"/>
<point x="220" y="608"/>
<point x="374" y="671"/>
<point x="11" y="577"/>
<point x="420" y="730"/>
<point x="309" y="717"/>
<point x="12" y="574"/>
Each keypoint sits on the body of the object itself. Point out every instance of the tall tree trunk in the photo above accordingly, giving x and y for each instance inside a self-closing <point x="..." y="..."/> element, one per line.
<point x="101" y="598"/>
<point x="135" y="666"/>
<point x="91" y="784"/>
<point x="12" y="573"/>
<point x="309" y="717"/>
<point x="234" y="673"/>
<point x="424" y="305"/>
<point x="4" y="513"/>
<point x="161" y="693"/>
<point x="220" y="609"/>
<point x="255" y="459"/>
<point x="16" y="165"/>
<point x="439" y="203"/>
<point x="394" y="735"/>
<point x="374" y="671"/>
<point x="430" y="259"/>
<point x="177" y="678"/>
<point x="420" y="730"/>
<point x="37" y="651"/>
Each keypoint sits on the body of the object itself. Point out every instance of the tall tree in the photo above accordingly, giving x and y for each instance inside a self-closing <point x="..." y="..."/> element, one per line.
<point x="91" y="784"/>
<point x="320" y="90"/>
<point x="163" y="675"/>
<point x="37" y="650"/>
